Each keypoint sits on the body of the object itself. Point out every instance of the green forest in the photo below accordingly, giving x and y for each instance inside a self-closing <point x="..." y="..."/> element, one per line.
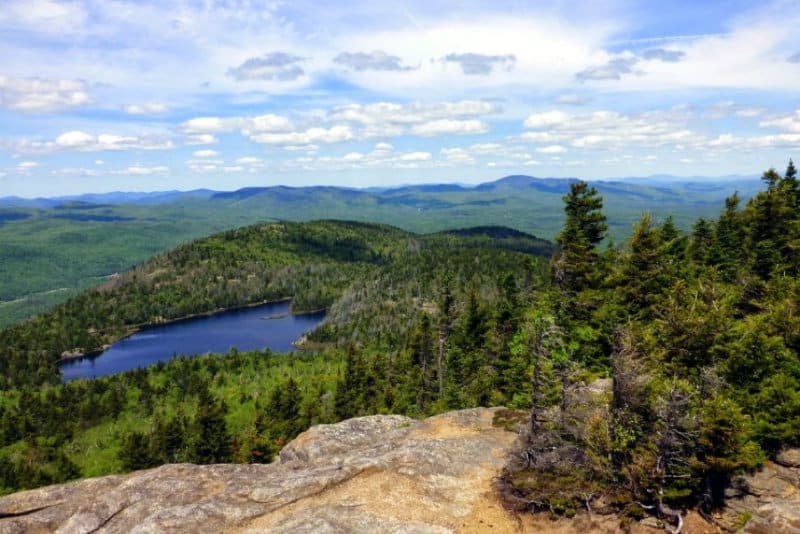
<point x="696" y="335"/>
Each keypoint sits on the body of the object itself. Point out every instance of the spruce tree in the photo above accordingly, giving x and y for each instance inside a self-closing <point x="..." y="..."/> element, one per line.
<point x="575" y="265"/>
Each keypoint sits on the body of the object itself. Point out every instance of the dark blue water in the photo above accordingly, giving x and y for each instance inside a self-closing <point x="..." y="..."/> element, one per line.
<point x="245" y="329"/>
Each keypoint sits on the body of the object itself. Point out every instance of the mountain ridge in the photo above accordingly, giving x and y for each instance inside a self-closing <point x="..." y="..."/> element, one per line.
<point x="513" y="180"/>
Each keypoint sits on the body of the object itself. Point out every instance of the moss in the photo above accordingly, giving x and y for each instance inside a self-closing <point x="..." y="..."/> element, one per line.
<point x="743" y="518"/>
<point x="509" y="420"/>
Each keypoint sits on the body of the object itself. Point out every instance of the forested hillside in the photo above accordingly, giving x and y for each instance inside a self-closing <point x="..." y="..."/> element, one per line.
<point x="381" y="286"/>
<point x="700" y="335"/>
<point x="697" y="331"/>
<point x="53" y="250"/>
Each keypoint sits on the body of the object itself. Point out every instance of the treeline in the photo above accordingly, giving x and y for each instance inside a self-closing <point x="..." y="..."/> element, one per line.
<point x="312" y="263"/>
<point x="700" y="336"/>
<point x="241" y="406"/>
<point x="393" y="294"/>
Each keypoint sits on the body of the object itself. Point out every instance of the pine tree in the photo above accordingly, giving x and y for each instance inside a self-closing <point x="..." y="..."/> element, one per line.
<point x="576" y="264"/>
<point x="212" y="441"/>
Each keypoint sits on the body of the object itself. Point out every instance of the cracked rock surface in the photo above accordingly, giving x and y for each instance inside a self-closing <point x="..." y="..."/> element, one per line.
<point x="377" y="474"/>
<point x="382" y="473"/>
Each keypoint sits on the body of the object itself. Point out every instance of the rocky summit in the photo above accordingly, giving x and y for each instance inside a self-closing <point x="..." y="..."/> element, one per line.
<point x="376" y="474"/>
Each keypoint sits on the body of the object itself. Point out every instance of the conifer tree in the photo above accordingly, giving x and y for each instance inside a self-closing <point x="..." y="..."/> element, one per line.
<point x="575" y="264"/>
<point x="213" y="443"/>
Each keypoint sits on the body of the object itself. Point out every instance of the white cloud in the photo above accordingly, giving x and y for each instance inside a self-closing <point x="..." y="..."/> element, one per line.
<point x="77" y="140"/>
<point x="201" y="139"/>
<point x="486" y="148"/>
<point x="74" y="139"/>
<point x="39" y="95"/>
<point x="275" y="66"/>
<point x="25" y="166"/>
<point x="572" y="99"/>
<point x="205" y="153"/>
<point x="143" y="170"/>
<point x="375" y="60"/>
<point x="457" y="155"/>
<point x="546" y="119"/>
<point x="414" y="113"/>
<point x="248" y="160"/>
<point x="247" y="125"/>
<point x="335" y="134"/>
<point x="787" y="123"/>
<point x="609" y="130"/>
<point x="750" y="112"/>
<point x="149" y="108"/>
<point x="481" y="64"/>
<point x="45" y="16"/>
<point x="551" y="149"/>
<point x="416" y="156"/>
<point x="449" y="126"/>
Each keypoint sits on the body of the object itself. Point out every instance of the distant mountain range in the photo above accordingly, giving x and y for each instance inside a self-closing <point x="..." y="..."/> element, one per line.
<point x="51" y="248"/>
<point x="660" y="183"/>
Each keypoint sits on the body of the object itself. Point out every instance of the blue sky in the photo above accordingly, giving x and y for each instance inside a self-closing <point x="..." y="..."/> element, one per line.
<point x="104" y="95"/>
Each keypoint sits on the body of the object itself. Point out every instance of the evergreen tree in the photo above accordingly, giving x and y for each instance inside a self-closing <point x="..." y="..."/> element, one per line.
<point x="212" y="441"/>
<point x="576" y="263"/>
<point x="728" y="251"/>
<point x="136" y="452"/>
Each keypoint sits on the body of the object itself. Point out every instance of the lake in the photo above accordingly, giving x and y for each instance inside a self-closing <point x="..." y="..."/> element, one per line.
<point x="264" y="326"/>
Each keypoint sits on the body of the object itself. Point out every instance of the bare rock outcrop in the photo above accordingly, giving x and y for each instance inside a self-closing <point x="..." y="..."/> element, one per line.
<point x="370" y="474"/>
<point x="765" y="502"/>
<point x="378" y="474"/>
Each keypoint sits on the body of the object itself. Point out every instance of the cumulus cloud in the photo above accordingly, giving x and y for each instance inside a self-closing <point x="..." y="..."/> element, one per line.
<point x="375" y="60"/>
<point x="450" y="126"/>
<point x="149" y="108"/>
<point x="201" y="139"/>
<point x="613" y="69"/>
<point x="143" y="170"/>
<point x="414" y="113"/>
<point x="248" y="160"/>
<point x="275" y="66"/>
<point x="572" y="99"/>
<point x="457" y="155"/>
<point x="205" y="153"/>
<point x="247" y="125"/>
<point x="416" y="156"/>
<point x="26" y="165"/>
<point x="618" y="66"/>
<point x="663" y="54"/>
<point x="39" y="94"/>
<point x="551" y="149"/>
<point x="546" y="119"/>
<point x="334" y="134"/>
<point x="611" y="130"/>
<point x="749" y="112"/>
<point x="787" y="123"/>
<point x="79" y="141"/>
<point x="44" y="16"/>
<point x="481" y="64"/>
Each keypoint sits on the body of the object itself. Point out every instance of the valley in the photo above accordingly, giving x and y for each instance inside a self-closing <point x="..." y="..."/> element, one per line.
<point x="76" y="243"/>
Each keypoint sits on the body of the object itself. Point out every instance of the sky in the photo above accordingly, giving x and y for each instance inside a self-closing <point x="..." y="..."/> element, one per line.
<point x="153" y="95"/>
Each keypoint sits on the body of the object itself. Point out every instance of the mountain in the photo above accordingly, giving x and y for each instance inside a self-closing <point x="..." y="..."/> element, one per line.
<point x="52" y="248"/>
<point x="116" y="197"/>
<point x="558" y="185"/>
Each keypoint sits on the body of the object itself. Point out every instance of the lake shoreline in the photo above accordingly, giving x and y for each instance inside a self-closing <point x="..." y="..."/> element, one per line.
<point x="242" y="328"/>
<point x="67" y="356"/>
